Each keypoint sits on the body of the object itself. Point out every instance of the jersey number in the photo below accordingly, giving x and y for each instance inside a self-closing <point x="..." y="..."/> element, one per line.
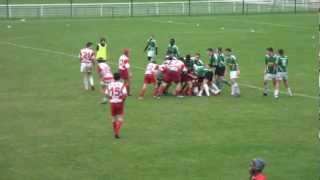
<point x="115" y="92"/>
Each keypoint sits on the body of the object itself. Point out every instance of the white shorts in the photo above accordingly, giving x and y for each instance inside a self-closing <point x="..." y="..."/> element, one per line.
<point x="151" y="53"/>
<point x="269" y="77"/>
<point x="234" y="75"/>
<point x="282" y="76"/>
<point x="86" y="67"/>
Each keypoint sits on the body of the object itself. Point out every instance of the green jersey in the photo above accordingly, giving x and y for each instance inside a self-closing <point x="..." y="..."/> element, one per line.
<point x="270" y="62"/>
<point x="213" y="60"/>
<point x="151" y="45"/>
<point x="282" y="63"/>
<point x="189" y="64"/>
<point x="220" y="61"/>
<point x="232" y="63"/>
<point x="173" y="50"/>
<point x="200" y="68"/>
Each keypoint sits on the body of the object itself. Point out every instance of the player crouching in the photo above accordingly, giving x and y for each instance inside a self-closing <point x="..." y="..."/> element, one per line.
<point x="149" y="78"/>
<point x="106" y="77"/>
<point x="87" y="60"/>
<point x="117" y="93"/>
<point x="172" y="74"/>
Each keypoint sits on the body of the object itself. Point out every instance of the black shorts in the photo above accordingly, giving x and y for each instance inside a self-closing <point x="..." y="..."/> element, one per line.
<point x="220" y="71"/>
<point x="209" y="75"/>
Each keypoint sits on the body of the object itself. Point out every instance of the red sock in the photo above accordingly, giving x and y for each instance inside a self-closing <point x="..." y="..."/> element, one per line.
<point x="155" y="91"/>
<point x="160" y="91"/>
<point x="189" y="92"/>
<point x="128" y="89"/>
<point x="178" y="92"/>
<point x="114" y="127"/>
<point x="142" y="92"/>
<point x="118" y="127"/>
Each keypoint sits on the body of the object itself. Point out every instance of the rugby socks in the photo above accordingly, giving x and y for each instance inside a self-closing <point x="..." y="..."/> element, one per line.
<point x="265" y="88"/>
<point x="237" y="89"/>
<point x="214" y="88"/>
<point x="189" y="91"/>
<point x="290" y="92"/>
<point x="116" y="127"/>
<point x="128" y="89"/>
<point x="85" y="82"/>
<point x="178" y="92"/>
<point x="91" y="80"/>
<point x="206" y="89"/>
<point x="142" y="92"/>
<point x="276" y="93"/>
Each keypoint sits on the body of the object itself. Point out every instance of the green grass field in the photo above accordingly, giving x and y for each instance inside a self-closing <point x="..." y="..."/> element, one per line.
<point x="52" y="129"/>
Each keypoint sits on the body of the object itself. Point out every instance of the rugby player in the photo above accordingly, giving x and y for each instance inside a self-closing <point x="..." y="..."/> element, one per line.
<point x="269" y="70"/>
<point x="149" y="78"/>
<point x="87" y="61"/>
<point x="151" y="49"/>
<point x="106" y="77"/>
<point x="124" y="69"/>
<point x="282" y="73"/>
<point x="234" y="71"/>
<point x="117" y="93"/>
<point x="256" y="169"/>
<point x="172" y="49"/>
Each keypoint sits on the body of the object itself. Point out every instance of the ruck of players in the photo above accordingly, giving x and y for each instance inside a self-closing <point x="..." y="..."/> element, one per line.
<point x="177" y="75"/>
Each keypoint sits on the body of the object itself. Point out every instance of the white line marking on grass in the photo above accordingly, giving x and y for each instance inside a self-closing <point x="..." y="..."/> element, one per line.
<point x="282" y="92"/>
<point x="136" y="67"/>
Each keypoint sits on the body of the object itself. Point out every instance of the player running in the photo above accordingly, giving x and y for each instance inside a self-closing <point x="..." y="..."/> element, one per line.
<point x="270" y="70"/>
<point x="106" y="77"/>
<point x="117" y="93"/>
<point x="213" y="60"/>
<point x="172" y="49"/>
<point x="102" y="50"/>
<point x="234" y="71"/>
<point x="282" y="73"/>
<point x="87" y="60"/>
<point x="256" y="170"/>
<point x="149" y="78"/>
<point x="151" y="49"/>
<point x="124" y="69"/>
<point x="172" y="74"/>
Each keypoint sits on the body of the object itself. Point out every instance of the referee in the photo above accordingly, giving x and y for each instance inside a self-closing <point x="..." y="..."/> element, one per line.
<point x="102" y="50"/>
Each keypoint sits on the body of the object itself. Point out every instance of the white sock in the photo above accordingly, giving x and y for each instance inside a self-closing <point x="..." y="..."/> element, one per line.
<point x="215" y="87"/>
<point x="206" y="89"/>
<point x="276" y="93"/>
<point x="85" y="82"/>
<point x="91" y="80"/>
<point x="200" y="92"/>
<point x="290" y="92"/>
<point x="265" y="89"/>
<point x="237" y="89"/>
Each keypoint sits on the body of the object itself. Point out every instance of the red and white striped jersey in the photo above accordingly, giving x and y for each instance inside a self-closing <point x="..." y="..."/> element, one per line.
<point x="116" y="91"/>
<point x="124" y="62"/>
<point x="151" y="68"/>
<point x="104" y="71"/>
<point x="175" y="65"/>
<point x="87" y="55"/>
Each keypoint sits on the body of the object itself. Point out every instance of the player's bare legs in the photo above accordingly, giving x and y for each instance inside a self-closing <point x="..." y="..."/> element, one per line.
<point x="235" y="90"/>
<point x="204" y="87"/>
<point x="286" y="85"/>
<point x="117" y="124"/>
<point x="90" y="79"/>
<point x="276" y="91"/>
<point x="143" y="90"/>
<point x="178" y="89"/>
<point x="85" y="81"/>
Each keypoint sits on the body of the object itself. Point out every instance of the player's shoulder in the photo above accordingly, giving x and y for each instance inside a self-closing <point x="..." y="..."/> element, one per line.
<point x="233" y="57"/>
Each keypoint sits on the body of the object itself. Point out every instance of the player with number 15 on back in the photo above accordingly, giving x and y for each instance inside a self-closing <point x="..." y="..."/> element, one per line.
<point x="117" y="93"/>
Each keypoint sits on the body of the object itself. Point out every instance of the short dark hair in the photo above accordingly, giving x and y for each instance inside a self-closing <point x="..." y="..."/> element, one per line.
<point x="88" y="44"/>
<point x="188" y="56"/>
<point x="281" y="51"/>
<point x="220" y="49"/>
<point x="197" y="54"/>
<point x="103" y="39"/>
<point x="229" y="49"/>
<point x="116" y="76"/>
<point x="270" y="49"/>
<point x="210" y="49"/>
